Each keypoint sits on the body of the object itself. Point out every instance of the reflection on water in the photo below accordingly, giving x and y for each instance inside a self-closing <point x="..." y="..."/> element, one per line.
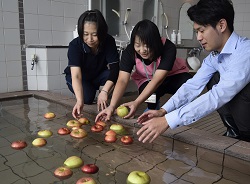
<point x="21" y="119"/>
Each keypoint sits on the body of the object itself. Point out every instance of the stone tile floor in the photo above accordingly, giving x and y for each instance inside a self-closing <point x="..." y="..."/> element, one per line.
<point x="185" y="155"/>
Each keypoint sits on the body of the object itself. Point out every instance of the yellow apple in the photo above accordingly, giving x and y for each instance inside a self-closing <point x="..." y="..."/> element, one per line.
<point x="122" y="111"/>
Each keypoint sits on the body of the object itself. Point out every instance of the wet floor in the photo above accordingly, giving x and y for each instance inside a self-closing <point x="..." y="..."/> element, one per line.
<point x="165" y="161"/>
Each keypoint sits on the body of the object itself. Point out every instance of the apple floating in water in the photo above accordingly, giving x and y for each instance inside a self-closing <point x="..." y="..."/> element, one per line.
<point x="44" y="133"/>
<point x="73" y="162"/>
<point x="63" y="131"/>
<point x="102" y="123"/>
<point x="18" y="144"/>
<point x="73" y="123"/>
<point x="90" y="169"/>
<point x="84" y="121"/>
<point x="96" y="128"/>
<point x="39" y="142"/>
<point x="138" y="177"/>
<point x="63" y="173"/>
<point x="78" y="133"/>
<point x="122" y="111"/>
<point x="110" y="138"/>
<point x="110" y="132"/>
<point x="49" y="115"/>
<point x="117" y="128"/>
<point x="86" y="180"/>
<point x="126" y="139"/>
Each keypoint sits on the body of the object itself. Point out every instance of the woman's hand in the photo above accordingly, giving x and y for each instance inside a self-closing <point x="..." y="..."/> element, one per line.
<point x="77" y="109"/>
<point x="105" y="114"/>
<point x="152" y="128"/>
<point x="150" y="114"/>
<point x="102" y="100"/>
<point x="132" y="108"/>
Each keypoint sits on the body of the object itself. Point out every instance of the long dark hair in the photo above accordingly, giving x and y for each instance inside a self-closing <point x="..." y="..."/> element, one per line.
<point x="149" y="34"/>
<point x="97" y="17"/>
<point x="210" y="12"/>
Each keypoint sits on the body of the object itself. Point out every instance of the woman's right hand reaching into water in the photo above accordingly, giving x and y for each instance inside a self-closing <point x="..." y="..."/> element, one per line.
<point x="77" y="109"/>
<point x="105" y="114"/>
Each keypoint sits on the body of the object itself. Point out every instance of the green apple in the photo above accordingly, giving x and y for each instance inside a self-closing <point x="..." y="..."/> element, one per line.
<point x="138" y="177"/>
<point x="45" y="133"/>
<point x="122" y="111"/>
<point x="73" y="162"/>
<point x="118" y="128"/>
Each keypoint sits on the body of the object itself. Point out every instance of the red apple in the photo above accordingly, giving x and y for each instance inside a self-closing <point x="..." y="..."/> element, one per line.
<point x="96" y="128"/>
<point x="83" y="121"/>
<point x="78" y="133"/>
<point x="39" y="142"/>
<point x="126" y="139"/>
<point x="110" y="138"/>
<point x="63" y="131"/>
<point x="73" y="162"/>
<point x="111" y="132"/>
<point x="86" y="180"/>
<point x="45" y="133"/>
<point x="122" y="111"/>
<point x="18" y="144"/>
<point x="102" y="123"/>
<point x="63" y="173"/>
<point x="73" y="123"/>
<point x="49" y="115"/>
<point x="90" y="169"/>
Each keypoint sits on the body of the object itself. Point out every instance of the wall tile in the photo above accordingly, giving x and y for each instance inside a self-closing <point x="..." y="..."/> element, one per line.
<point x="32" y="82"/>
<point x="44" y="7"/>
<point x="11" y="36"/>
<point x="4" y="85"/>
<point x="42" y="68"/>
<point x="54" y="68"/>
<point x="31" y="37"/>
<point x="44" y="22"/>
<point x="57" y="23"/>
<point x="1" y="19"/>
<point x="45" y="37"/>
<point x="2" y="53"/>
<point x="69" y="10"/>
<point x="42" y="82"/>
<point x="15" y="84"/>
<point x="57" y="8"/>
<point x="13" y="53"/>
<point x="3" y="69"/>
<point x="11" y="6"/>
<point x="54" y="82"/>
<point x="30" y="21"/>
<point x="10" y="20"/>
<point x="14" y="68"/>
<point x="30" y="6"/>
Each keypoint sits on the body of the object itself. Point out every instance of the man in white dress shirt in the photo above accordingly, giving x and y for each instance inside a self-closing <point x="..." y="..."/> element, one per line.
<point x="225" y="71"/>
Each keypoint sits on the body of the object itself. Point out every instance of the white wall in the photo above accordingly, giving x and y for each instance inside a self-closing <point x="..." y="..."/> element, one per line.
<point x="51" y="22"/>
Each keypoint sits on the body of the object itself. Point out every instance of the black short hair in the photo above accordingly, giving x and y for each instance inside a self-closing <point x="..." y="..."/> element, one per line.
<point x="210" y="12"/>
<point x="149" y="34"/>
<point x="97" y="17"/>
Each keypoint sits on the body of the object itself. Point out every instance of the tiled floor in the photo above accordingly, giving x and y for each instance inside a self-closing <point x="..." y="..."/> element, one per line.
<point x="184" y="155"/>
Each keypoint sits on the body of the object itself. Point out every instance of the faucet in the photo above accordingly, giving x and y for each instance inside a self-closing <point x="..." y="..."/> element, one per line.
<point x="33" y="61"/>
<point x="195" y="51"/>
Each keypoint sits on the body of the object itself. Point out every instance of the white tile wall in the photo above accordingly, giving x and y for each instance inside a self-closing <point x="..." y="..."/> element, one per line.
<point x="52" y="22"/>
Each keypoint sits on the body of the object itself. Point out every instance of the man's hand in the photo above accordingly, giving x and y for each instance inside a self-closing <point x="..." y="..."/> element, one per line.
<point x="150" y="114"/>
<point x="152" y="128"/>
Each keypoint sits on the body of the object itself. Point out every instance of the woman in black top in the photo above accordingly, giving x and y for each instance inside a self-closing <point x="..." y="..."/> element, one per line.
<point x="93" y="61"/>
<point x="157" y="70"/>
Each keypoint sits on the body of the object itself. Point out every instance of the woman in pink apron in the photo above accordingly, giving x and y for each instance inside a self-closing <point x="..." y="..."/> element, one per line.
<point x="152" y="64"/>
